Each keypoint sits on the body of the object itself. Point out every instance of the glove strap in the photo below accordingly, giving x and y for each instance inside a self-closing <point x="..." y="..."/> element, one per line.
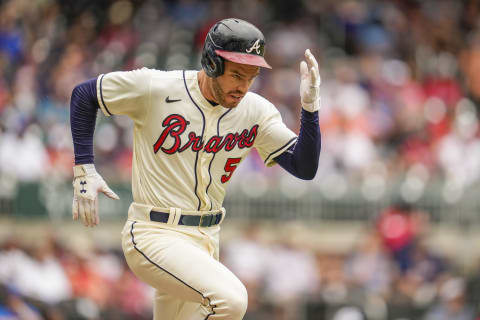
<point x="84" y="170"/>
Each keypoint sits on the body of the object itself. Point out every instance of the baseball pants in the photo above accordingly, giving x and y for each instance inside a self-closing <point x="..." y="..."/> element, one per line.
<point x="181" y="264"/>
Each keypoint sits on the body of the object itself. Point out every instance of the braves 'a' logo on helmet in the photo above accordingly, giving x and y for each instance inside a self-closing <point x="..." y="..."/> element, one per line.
<point x="256" y="47"/>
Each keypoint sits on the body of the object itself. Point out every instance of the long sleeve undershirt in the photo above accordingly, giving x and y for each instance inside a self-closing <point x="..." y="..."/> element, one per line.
<point x="83" y="115"/>
<point x="301" y="159"/>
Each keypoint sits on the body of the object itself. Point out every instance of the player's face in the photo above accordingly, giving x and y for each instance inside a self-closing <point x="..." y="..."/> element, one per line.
<point x="229" y="88"/>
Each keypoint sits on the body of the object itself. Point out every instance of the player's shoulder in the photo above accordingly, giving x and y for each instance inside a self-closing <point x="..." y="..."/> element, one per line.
<point x="189" y="75"/>
<point x="254" y="101"/>
<point x="145" y="73"/>
<point x="163" y="74"/>
<point x="166" y="81"/>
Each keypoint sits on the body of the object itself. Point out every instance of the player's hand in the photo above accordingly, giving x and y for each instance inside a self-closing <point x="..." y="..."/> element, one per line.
<point x="86" y="185"/>
<point x="310" y="83"/>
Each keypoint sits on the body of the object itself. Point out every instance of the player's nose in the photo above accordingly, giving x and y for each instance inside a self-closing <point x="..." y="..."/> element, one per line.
<point x="243" y="86"/>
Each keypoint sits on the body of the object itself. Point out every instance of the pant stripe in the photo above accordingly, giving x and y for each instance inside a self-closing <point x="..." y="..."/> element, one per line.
<point x="156" y="265"/>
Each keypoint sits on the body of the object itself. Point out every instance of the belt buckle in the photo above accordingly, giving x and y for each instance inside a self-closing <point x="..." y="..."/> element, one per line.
<point x="206" y="220"/>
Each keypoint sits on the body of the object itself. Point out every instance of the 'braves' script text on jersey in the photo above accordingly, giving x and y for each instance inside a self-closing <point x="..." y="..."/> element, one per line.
<point x="176" y="124"/>
<point x="179" y="136"/>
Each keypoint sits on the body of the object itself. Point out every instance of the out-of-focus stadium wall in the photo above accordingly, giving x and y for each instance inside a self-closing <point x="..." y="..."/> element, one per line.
<point x="53" y="200"/>
<point x="325" y="222"/>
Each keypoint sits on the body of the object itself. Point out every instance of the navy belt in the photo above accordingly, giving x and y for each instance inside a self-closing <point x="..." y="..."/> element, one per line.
<point x="206" y="220"/>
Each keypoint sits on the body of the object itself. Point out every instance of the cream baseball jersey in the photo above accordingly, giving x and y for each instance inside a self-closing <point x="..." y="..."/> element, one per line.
<point x="185" y="150"/>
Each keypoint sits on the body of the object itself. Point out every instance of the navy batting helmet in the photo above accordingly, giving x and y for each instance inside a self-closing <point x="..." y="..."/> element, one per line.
<point x="233" y="40"/>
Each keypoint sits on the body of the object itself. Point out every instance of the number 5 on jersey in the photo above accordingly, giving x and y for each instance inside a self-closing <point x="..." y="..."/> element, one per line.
<point x="230" y="166"/>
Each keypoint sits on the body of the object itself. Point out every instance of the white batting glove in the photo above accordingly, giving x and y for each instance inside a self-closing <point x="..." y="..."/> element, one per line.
<point x="310" y="83"/>
<point x="86" y="185"/>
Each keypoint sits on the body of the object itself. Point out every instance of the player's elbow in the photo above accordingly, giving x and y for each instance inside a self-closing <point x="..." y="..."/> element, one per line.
<point x="308" y="175"/>
<point x="79" y="91"/>
<point x="85" y="90"/>
<point x="75" y="92"/>
<point x="77" y="96"/>
<point x="308" y="172"/>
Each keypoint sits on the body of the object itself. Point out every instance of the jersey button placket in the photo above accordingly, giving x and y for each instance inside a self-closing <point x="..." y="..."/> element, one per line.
<point x="201" y="167"/>
<point x="204" y="156"/>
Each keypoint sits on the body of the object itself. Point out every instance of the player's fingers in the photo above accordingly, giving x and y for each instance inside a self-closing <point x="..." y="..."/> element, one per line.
<point x="75" y="208"/>
<point x="93" y="213"/>
<point x="88" y="212"/>
<point x="314" y="76"/>
<point x="81" y="211"/>
<point x="311" y="61"/>
<point x="303" y="69"/>
<point x="109" y="193"/>
<point x="97" y="216"/>
<point x="307" y="58"/>
<point x="318" y="77"/>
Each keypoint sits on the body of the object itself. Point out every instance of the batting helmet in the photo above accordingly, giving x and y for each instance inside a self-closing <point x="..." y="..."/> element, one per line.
<point x="233" y="40"/>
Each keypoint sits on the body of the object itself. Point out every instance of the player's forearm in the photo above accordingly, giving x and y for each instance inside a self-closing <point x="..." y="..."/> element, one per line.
<point x="301" y="159"/>
<point x="83" y="115"/>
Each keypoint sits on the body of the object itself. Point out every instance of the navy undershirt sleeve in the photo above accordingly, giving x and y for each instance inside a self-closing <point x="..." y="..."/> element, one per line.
<point x="83" y="115"/>
<point x="301" y="159"/>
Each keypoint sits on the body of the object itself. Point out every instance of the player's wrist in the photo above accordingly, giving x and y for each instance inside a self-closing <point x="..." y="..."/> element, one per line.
<point x="312" y="106"/>
<point x="81" y="170"/>
<point x="309" y="116"/>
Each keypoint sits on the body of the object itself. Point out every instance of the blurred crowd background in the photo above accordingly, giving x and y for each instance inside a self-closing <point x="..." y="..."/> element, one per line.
<point x="400" y="92"/>
<point x="400" y="84"/>
<point x="389" y="273"/>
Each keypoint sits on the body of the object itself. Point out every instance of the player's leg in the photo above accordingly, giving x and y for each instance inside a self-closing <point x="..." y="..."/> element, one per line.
<point x="175" y="264"/>
<point x="167" y="307"/>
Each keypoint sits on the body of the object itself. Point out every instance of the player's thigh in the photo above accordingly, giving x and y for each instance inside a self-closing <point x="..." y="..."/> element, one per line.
<point x="170" y="308"/>
<point x="166" y="306"/>
<point x="172" y="264"/>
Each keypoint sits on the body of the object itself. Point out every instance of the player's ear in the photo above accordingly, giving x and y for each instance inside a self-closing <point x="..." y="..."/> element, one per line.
<point x="211" y="64"/>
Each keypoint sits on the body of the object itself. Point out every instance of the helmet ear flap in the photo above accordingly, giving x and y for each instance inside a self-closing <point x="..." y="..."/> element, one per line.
<point x="212" y="63"/>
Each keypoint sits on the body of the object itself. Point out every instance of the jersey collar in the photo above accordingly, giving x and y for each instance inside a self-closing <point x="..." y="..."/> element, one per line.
<point x="191" y="79"/>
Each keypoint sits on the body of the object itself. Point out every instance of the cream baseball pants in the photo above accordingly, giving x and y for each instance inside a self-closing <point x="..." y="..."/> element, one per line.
<point x="181" y="264"/>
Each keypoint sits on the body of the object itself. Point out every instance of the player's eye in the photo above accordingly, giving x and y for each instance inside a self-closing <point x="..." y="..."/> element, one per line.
<point x="237" y="76"/>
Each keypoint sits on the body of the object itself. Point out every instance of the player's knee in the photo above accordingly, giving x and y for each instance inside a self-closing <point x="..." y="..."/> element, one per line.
<point x="238" y="301"/>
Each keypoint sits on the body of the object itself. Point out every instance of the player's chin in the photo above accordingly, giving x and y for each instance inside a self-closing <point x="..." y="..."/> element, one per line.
<point x="230" y="105"/>
<point x="232" y="101"/>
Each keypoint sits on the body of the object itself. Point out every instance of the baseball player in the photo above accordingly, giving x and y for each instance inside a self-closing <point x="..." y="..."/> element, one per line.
<point x="192" y="129"/>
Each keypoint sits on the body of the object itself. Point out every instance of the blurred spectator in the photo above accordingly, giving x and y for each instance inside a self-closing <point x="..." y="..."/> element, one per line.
<point x="86" y="281"/>
<point x="301" y="278"/>
<point x="399" y="227"/>
<point x="130" y="298"/>
<point x="17" y="309"/>
<point x="425" y="265"/>
<point x="473" y="289"/>
<point x="452" y="304"/>
<point x="23" y="154"/>
<point x="397" y="230"/>
<point x="21" y="270"/>
<point x="247" y="257"/>
<point x="369" y="266"/>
